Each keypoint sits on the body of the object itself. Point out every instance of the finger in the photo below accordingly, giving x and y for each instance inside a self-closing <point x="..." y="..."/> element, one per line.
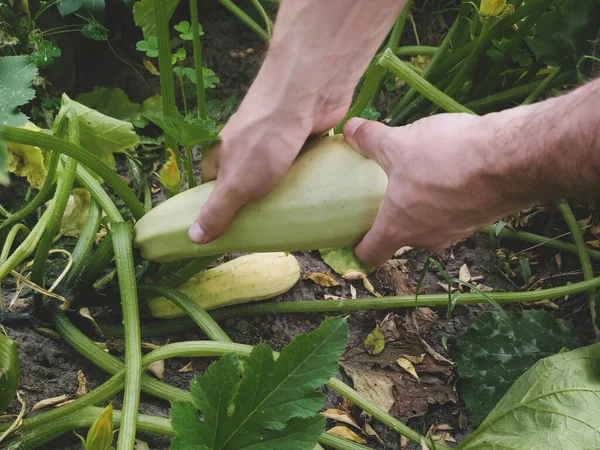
<point x="370" y="139"/>
<point x="210" y="163"/>
<point x="379" y="244"/>
<point x="216" y="214"/>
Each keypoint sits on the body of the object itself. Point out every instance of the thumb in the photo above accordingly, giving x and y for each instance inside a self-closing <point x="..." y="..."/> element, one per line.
<point x="216" y="214"/>
<point x="369" y="138"/>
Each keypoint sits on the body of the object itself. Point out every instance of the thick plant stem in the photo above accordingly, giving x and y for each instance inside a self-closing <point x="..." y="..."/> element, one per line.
<point x="82" y="344"/>
<point x="190" y="308"/>
<point x="375" y="73"/>
<point x="84" y="419"/>
<point x="542" y="87"/>
<point x="406" y="74"/>
<point x="416" y="50"/>
<point x="37" y="201"/>
<point x="198" y="64"/>
<point x="362" y="304"/>
<point x="178" y="277"/>
<point x="99" y="194"/>
<point x="338" y="443"/>
<point x="84" y="245"/>
<point x="167" y="83"/>
<point x="88" y="159"/>
<point x="584" y="257"/>
<point x="122" y="238"/>
<point x="245" y="19"/>
<point x="98" y="262"/>
<point x="540" y="240"/>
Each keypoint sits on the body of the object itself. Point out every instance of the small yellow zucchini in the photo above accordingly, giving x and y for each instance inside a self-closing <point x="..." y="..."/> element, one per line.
<point x="249" y="278"/>
<point x="329" y="198"/>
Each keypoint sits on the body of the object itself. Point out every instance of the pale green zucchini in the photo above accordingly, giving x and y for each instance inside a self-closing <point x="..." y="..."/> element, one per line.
<point x="329" y="198"/>
<point x="254" y="277"/>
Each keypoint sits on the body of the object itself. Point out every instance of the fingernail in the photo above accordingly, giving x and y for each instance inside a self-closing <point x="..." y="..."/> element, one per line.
<point x="196" y="234"/>
<point x="350" y="128"/>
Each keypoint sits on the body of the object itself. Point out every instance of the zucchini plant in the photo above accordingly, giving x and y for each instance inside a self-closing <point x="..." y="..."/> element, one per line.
<point x="490" y="58"/>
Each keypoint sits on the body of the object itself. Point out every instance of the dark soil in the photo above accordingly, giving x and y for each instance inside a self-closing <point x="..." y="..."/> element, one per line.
<point x="49" y="366"/>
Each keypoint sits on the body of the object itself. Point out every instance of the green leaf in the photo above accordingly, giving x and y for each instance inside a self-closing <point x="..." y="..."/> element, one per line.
<point x="149" y="46"/>
<point x="66" y="7"/>
<point x="261" y="403"/>
<point x="16" y="76"/>
<point x="566" y="33"/>
<point x="341" y="260"/>
<point x="500" y="347"/>
<point x="114" y="102"/>
<point x="144" y="17"/>
<point x="4" y="180"/>
<point x="188" y="132"/>
<point x="9" y="371"/>
<point x="44" y="54"/>
<point x="525" y="270"/>
<point x="370" y="113"/>
<point x="553" y="405"/>
<point x="185" y="30"/>
<point x="100" y="134"/>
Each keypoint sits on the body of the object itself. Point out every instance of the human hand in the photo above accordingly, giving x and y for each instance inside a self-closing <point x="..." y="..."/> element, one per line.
<point x="443" y="182"/>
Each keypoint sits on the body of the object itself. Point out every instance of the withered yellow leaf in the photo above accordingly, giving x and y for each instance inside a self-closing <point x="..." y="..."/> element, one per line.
<point x="339" y="416"/>
<point x="408" y="366"/>
<point x="322" y="279"/>
<point x="346" y="433"/>
<point x="375" y="341"/>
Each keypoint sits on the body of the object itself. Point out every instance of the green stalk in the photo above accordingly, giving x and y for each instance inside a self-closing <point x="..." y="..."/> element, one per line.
<point x="468" y="65"/>
<point x="416" y="50"/>
<point x="198" y="64"/>
<point x="375" y="73"/>
<point x="82" y="344"/>
<point x="12" y="234"/>
<point x="27" y="246"/>
<point x="88" y="159"/>
<point x="542" y="87"/>
<point x="189" y="168"/>
<point x="265" y="17"/>
<point x="435" y="61"/>
<point x="515" y="41"/>
<point x="494" y="101"/>
<point x="167" y="83"/>
<point x="362" y="304"/>
<point x="540" y="240"/>
<point x="122" y="238"/>
<point x="339" y="443"/>
<point x="98" y="193"/>
<point x="84" y="419"/>
<point x="584" y="257"/>
<point x="191" y="309"/>
<point x="405" y="73"/>
<point x="100" y="259"/>
<point x="84" y="245"/>
<point x="37" y="201"/>
<point x="178" y="277"/>
<point x="64" y="188"/>
<point x="245" y="19"/>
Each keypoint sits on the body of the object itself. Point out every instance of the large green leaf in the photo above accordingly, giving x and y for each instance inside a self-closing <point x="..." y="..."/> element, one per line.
<point x="261" y="403"/>
<point x="554" y="405"/>
<point x="114" y="102"/>
<point x="567" y="32"/>
<point x="100" y="134"/>
<point x="499" y="348"/>
<point x="144" y="17"/>
<point x="185" y="130"/>
<point x="16" y="75"/>
<point x="66" y="7"/>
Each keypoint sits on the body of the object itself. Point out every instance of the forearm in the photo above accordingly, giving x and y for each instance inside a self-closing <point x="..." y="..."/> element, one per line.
<point x="319" y="51"/>
<point x="549" y="150"/>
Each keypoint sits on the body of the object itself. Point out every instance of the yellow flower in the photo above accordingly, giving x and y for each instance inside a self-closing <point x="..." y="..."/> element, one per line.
<point x="100" y="435"/>
<point x="495" y="8"/>
<point x="169" y="174"/>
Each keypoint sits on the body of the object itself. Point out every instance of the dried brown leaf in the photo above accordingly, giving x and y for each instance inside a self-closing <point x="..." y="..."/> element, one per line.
<point x="82" y="384"/>
<point x="140" y="445"/>
<point x="49" y="402"/>
<point x="339" y="416"/>
<point x="85" y="313"/>
<point x="394" y="279"/>
<point x="321" y="279"/>
<point x="464" y="274"/>
<point x="346" y="433"/>
<point x="157" y="368"/>
<point x="187" y="368"/>
<point x="332" y="297"/>
<point x="404" y="442"/>
<point x="352" y="292"/>
<point x="408" y="366"/>
<point x="402" y="250"/>
<point x="414" y="359"/>
<point x="370" y="431"/>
